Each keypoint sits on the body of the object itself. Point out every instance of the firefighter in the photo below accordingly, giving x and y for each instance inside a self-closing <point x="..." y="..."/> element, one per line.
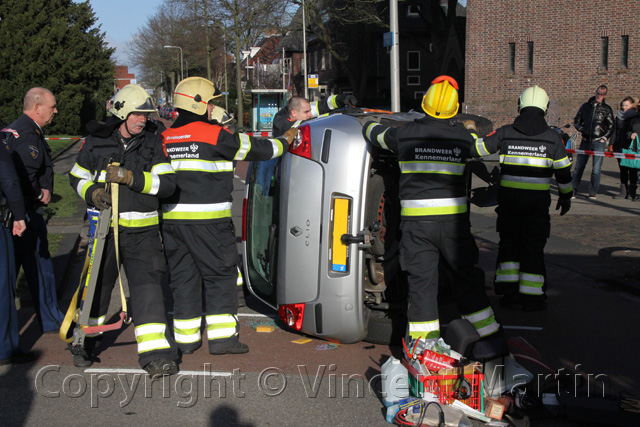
<point x="434" y="217"/>
<point x="145" y="175"/>
<point x="198" y="233"/>
<point x="530" y="154"/>
<point x="299" y="109"/>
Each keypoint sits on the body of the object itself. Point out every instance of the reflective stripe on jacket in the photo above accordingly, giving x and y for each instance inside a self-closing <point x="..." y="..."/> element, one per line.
<point x="153" y="176"/>
<point x="431" y="155"/>
<point x="528" y="162"/>
<point x="203" y="155"/>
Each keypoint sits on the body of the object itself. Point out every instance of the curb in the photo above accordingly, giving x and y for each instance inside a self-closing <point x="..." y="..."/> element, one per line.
<point x="64" y="150"/>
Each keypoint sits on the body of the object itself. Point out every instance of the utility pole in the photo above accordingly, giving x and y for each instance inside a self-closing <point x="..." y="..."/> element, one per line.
<point x="395" y="57"/>
<point x="304" y="53"/>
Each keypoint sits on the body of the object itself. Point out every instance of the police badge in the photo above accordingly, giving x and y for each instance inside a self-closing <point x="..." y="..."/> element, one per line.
<point x="33" y="151"/>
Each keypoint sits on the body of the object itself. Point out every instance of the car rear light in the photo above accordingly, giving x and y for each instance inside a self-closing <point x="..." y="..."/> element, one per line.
<point x="301" y="146"/>
<point x="292" y="315"/>
<point x="244" y="220"/>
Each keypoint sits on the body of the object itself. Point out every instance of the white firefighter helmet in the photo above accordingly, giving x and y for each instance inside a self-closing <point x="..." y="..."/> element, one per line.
<point x="220" y="115"/>
<point x="534" y="96"/>
<point x="132" y="99"/>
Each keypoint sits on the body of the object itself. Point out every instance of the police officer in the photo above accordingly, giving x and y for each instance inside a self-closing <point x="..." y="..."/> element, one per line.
<point x="198" y="233"/>
<point x="12" y="221"/>
<point x="144" y="175"/>
<point x="299" y="109"/>
<point x="530" y="154"/>
<point x="434" y="217"/>
<point x="32" y="158"/>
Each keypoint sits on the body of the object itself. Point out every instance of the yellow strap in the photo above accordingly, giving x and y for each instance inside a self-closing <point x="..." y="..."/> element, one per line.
<point x="115" y="195"/>
<point x="71" y="315"/>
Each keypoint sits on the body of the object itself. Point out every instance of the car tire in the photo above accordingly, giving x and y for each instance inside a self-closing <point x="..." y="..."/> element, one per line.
<point x="386" y="327"/>
<point x="385" y="330"/>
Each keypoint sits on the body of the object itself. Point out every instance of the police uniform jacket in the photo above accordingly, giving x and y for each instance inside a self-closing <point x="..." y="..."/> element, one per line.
<point x="203" y="156"/>
<point x="31" y="156"/>
<point x="153" y="176"/>
<point x="528" y="162"/>
<point x="10" y="186"/>
<point x="431" y="155"/>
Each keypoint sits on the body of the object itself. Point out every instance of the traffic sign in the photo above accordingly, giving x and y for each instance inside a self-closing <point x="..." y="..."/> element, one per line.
<point x="313" y="80"/>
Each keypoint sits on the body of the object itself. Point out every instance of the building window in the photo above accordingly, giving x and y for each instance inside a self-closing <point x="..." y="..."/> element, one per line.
<point x="624" y="52"/>
<point x="512" y="58"/>
<point x="413" y="80"/>
<point x="322" y="61"/>
<point x="529" y="57"/>
<point x="604" y="55"/>
<point x="413" y="60"/>
<point x="413" y="11"/>
<point x="418" y="94"/>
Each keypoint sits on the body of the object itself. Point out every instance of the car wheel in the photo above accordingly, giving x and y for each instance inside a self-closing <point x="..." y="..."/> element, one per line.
<point x="385" y="329"/>
<point x="387" y="316"/>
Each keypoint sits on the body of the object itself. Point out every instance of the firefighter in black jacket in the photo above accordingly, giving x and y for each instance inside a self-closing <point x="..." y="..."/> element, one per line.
<point x="32" y="158"/>
<point x="299" y="109"/>
<point x="198" y="233"/>
<point x="530" y="154"/>
<point x="145" y="175"/>
<point x="434" y="217"/>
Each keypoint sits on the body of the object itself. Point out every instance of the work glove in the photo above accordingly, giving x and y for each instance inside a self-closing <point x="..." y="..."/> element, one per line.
<point x="564" y="205"/>
<point x="291" y="135"/>
<point x="343" y="100"/>
<point x="101" y="199"/>
<point x="119" y="175"/>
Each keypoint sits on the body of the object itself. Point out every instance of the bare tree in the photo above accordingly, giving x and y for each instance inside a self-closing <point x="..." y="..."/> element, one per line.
<point x="339" y="26"/>
<point x="201" y="28"/>
<point x="245" y="22"/>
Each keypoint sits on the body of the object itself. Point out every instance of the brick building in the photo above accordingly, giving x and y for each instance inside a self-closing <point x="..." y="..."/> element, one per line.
<point x="568" y="47"/>
<point x="122" y="77"/>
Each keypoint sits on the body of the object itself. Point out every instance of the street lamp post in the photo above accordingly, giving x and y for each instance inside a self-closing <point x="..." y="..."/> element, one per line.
<point x="181" y="67"/>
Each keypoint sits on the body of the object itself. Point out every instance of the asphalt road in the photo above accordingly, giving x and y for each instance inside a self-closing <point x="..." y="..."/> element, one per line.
<point x="590" y="329"/>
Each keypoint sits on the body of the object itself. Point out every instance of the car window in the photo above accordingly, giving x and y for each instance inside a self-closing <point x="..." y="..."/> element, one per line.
<point x="262" y="228"/>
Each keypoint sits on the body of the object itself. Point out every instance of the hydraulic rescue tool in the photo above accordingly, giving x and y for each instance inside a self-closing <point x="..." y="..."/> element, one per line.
<point x="79" y="311"/>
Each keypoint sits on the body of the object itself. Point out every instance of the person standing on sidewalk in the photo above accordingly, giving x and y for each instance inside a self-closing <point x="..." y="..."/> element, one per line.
<point x="32" y="158"/>
<point x="621" y="139"/>
<point x="12" y="221"/>
<point x="435" y="218"/>
<point x="594" y="121"/>
<point x="145" y="175"/>
<point x="198" y="233"/>
<point x="530" y="154"/>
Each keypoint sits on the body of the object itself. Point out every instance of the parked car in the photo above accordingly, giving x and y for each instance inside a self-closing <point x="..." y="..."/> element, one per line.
<point x="319" y="238"/>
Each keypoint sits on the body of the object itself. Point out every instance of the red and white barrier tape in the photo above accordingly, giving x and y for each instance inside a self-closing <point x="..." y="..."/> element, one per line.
<point x="258" y="134"/>
<point x="606" y="154"/>
<point x="53" y="139"/>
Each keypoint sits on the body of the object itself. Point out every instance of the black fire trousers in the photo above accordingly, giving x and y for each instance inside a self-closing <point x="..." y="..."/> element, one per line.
<point x="144" y="265"/>
<point x="203" y="263"/>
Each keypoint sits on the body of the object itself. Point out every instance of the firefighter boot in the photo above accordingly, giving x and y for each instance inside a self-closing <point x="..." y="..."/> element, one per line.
<point x="232" y="346"/>
<point x="624" y="192"/>
<point x="160" y="367"/>
<point x="632" y="192"/>
<point x="83" y="356"/>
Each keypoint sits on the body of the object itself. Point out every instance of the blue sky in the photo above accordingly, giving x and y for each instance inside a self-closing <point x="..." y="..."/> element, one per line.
<point x="121" y="19"/>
